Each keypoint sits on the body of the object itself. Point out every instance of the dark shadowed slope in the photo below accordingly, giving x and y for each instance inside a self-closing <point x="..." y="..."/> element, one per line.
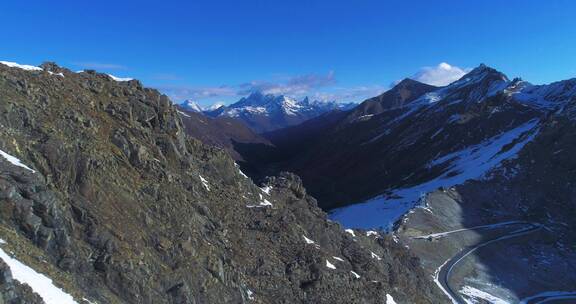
<point x="220" y="132"/>
<point x="333" y="145"/>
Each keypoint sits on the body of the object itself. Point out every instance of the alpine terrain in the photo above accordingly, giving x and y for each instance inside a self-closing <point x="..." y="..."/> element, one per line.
<point x="105" y="199"/>
<point x="475" y="178"/>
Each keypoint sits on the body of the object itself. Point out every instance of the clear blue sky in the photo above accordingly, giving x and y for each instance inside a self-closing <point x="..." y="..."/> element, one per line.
<point x="217" y="50"/>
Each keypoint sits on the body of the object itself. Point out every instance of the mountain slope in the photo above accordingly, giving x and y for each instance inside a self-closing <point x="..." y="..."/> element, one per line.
<point x="476" y="178"/>
<point x="389" y="141"/>
<point x="264" y="113"/>
<point x="222" y="132"/>
<point x="102" y="191"/>
<point x="401" y="95"/>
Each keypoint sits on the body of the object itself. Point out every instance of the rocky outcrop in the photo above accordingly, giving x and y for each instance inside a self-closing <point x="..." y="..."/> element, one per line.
<point x="123" y="207"/>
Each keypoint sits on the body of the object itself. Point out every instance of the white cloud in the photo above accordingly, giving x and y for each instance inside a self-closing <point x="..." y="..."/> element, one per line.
<point x="349" y="94"/>
<point x="179" y="93"/>
<point x="440" y="75"/>
<point x="294" y="86"/>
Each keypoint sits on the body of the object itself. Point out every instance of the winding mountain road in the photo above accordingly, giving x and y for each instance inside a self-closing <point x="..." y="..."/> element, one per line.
<point x="442" y="275"/>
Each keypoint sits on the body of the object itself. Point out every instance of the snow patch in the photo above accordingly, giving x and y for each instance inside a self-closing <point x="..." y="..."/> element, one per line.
<point x="204" y="182"/>
<point x="57" y="74"/>
<point x="390" y="299"/>
<point x="119" y="78"/>
<point x="263" y="203"/>
<point x="476" y="294"/>
<point x="355" y="274"/>
<point x="250" y="294"/>
<point x="372" y="233"/>
<point x="21" y="66"/>
<point x="40" y="283"/>
<point x="14" y="161"/>
<point x="240" y="171"/>
<point x="307" y="240"/>
<point x="338" y="259"/>
<point x="432" y="97"/>
<point x="330" y="265"/>
<point x="375" y="256"/>
<point x="266" y="189"/>
<point x="351" y="232"/>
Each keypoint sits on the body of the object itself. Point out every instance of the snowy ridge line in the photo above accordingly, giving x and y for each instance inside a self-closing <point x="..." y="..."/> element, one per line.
<point x="119" y="79"/>
<point x="21" y="66"/>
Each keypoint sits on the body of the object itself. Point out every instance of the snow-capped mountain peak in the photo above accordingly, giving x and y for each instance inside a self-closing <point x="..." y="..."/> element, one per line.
<point x="267" y="112"/>
<point x="191" y="105"/>
<point x="477" y="85"/>
<point x="215" y="106"/>
<point x="483" y="76"/>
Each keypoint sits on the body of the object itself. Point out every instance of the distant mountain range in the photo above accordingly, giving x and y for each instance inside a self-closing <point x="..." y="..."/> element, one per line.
<point x="267" y="112"/>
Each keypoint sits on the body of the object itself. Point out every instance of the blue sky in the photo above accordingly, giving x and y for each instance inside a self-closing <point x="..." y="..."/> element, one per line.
<point x="345" y="50"/>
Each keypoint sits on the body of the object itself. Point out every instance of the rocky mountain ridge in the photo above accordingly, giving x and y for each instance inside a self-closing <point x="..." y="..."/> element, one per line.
<point x="120" y="206"/>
